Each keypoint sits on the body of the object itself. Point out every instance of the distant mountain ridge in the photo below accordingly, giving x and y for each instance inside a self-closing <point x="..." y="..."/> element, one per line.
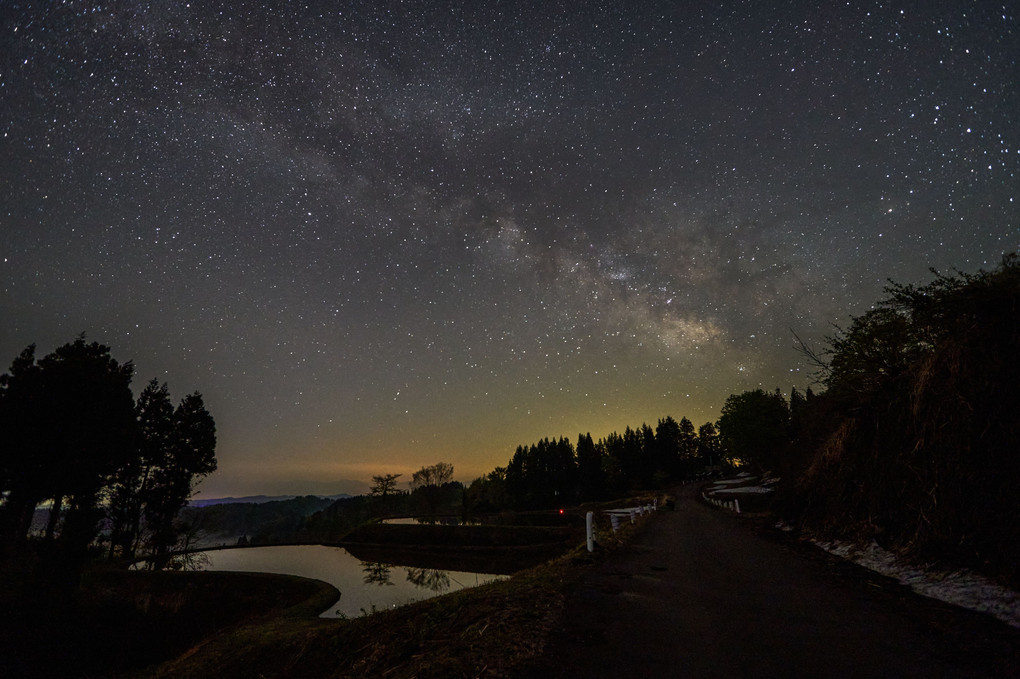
<point x="259" y="499"/>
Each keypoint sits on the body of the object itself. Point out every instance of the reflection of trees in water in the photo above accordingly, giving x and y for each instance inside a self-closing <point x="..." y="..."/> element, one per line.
<point x="429" y="578"/>
<point x="376" y="573"/>
<point x="189" y="561"/>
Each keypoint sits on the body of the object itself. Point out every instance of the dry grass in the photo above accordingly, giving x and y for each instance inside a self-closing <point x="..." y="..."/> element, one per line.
<point x="495" y="630"/>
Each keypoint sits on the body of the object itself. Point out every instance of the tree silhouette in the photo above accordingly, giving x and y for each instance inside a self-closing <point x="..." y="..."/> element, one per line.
<point x="75" y="436"/>
<point x="755" y="426"/>
<point x="22" y="457"/>
<point x="631" y="454"/>
<point x="376" y="573"/>
<point x="429" y="578"/>
<point x="133" y="484"/>
<point x="192" y="456"/>
<point x="710" y="448"/>
<point x="688" y="447"/>
<point x="69" y="422"/>
<point x="430" y="484"/>
<point x="798" y="407"/>
<point x="487" y="493"/>
<point x="591" y="479"/>
<point x="384" y="484"/>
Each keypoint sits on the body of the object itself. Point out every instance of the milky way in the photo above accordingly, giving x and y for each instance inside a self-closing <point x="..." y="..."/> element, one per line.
<point x="378" y="235"/>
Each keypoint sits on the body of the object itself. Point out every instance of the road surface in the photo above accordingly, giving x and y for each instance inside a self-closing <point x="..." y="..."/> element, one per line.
<point x="702" y="592"/>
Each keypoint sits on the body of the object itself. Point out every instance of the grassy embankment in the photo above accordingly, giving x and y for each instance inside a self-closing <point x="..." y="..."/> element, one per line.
<point x="120" y="622"/>
<point x="241" y="625"/>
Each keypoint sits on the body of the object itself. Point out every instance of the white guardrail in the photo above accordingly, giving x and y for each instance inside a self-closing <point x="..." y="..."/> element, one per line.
<point x="616" y="516"/>
<point x="732" y="505"/>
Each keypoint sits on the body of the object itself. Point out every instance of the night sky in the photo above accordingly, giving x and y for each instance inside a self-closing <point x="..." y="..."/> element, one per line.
<point x="379" y="235"/>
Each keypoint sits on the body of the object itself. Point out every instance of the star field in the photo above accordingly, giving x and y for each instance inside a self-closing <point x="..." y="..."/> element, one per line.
<point x="376" y="235"/>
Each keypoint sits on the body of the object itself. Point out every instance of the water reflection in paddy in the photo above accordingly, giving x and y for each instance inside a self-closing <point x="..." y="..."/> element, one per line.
<point x="364" y="586"/>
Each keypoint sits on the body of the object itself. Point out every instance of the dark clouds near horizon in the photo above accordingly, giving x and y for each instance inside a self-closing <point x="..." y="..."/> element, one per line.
<point x="379" y="234"/>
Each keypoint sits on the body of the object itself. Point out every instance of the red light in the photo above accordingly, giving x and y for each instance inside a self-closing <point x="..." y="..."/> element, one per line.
<point x="561" y="511"/>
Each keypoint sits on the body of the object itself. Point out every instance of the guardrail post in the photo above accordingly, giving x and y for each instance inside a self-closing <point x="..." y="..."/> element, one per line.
<point x="588" y="529"/>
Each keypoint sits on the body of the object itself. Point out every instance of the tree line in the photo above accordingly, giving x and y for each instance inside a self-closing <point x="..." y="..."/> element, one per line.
<point x="74" y="436"/>
<point x="432" y="495"/>
<point x="555" y="472"/>
<point x="752" y="429"/>
<point x="257" y="523"/>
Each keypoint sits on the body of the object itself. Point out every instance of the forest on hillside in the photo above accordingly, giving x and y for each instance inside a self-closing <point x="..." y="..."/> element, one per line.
<point x="914" y="441"/>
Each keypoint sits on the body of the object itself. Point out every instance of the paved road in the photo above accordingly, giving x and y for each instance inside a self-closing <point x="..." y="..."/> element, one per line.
<point x="704" y="593"/>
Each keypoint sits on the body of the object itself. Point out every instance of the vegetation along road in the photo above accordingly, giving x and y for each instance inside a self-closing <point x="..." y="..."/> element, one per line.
<point x="704" y="593"/>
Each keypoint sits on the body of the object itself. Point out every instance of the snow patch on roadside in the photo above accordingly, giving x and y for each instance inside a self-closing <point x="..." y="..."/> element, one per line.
<point x="742" y="489"/>
<point x="960" y="588"/>
<point x="728" y="482"/>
